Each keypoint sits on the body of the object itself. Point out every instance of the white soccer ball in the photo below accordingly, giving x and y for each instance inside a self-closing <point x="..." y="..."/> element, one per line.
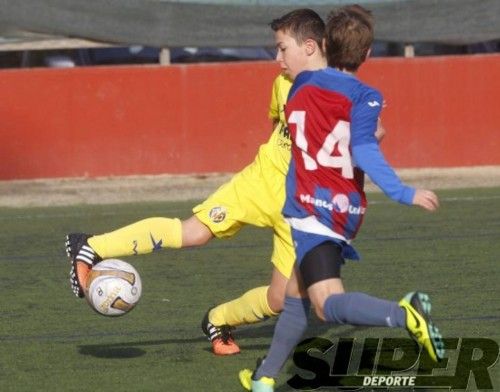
<point x="114" y="287"/>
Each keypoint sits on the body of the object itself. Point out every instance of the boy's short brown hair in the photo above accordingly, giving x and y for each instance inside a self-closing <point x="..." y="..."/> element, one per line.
<point x="301" y="24"/>
<point x="348" y="37"/>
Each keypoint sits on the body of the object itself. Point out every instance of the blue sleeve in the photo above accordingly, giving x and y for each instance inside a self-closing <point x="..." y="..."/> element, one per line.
<point x="369" y="158"/>
<point x="364" y="116"/>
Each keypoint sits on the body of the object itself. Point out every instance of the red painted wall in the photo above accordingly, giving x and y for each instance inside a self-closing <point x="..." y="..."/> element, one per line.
<point x="101" y="121"/>
<point x="441" y="111"/>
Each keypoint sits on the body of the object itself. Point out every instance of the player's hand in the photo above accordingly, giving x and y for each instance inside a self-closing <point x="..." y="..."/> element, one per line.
<point x="380" y="132"/>
<point x="426" y="199"/>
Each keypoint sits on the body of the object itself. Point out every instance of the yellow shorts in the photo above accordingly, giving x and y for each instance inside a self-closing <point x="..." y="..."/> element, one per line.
<point x="253" y="196"/>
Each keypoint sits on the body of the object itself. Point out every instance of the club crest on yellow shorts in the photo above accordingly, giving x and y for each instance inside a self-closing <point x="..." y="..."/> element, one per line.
<point x="217" y="214"/>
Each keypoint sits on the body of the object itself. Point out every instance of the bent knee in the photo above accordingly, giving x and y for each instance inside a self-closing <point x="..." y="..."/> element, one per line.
<point x="319" y="310"/>
<point x="276" y="300"/>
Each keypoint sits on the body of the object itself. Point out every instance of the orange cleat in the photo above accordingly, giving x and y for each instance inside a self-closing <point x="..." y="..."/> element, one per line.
<point x="221" y="337"/>
<point x="225" y="345"/>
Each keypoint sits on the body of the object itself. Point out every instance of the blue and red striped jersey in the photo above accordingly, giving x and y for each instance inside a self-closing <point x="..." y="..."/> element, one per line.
<point x="332" y="117"/>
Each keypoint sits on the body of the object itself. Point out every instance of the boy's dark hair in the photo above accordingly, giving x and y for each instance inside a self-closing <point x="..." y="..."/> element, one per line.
<point x="348" y="37"/>
<point x="302" y="24"/>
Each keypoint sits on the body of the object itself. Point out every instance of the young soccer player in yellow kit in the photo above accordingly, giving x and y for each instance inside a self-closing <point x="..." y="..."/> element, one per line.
<point x="253" y="196"/>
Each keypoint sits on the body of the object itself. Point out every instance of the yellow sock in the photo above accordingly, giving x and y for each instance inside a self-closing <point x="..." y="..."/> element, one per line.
<point x="139" y="238"/>
<point x="251" y="307"/>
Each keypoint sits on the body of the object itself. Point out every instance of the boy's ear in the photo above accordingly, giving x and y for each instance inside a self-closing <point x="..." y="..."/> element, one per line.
<point x="311" y="46"/>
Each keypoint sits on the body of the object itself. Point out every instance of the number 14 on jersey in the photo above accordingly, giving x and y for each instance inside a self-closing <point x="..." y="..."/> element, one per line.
<point x="339" y="136"/>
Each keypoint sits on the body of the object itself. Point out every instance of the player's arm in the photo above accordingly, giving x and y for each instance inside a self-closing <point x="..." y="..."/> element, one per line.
<point x="379" y="135"/>
<point x="367" y="156"/>
<point x="371" y="160"/>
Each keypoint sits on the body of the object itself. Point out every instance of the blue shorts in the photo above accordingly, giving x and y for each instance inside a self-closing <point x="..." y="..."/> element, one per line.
<point x="304" y="242"/>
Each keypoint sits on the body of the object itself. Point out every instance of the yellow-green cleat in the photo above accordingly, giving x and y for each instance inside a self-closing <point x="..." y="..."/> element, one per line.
<point x="263" y="384"/>
<point x="420" y="326"/>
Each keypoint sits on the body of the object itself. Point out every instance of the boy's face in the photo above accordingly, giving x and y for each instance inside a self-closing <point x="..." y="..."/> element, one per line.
<point x="291" y="56"/>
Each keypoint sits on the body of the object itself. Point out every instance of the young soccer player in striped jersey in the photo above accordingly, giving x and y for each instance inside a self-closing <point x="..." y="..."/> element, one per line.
<point x="232" y="206"/>
<point x="253" y="196"/>
<point x="332" y="117"/>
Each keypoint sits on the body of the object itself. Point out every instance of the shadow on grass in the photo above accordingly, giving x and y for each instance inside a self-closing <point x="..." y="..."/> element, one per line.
<point x="133" y="349"/>
<point x="129" y="349"/>
<point x="105" y="351"/>
<point x="315" y="328"/>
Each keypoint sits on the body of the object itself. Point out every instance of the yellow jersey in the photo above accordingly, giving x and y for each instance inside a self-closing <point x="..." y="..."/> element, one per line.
<point x="256" y="194"/>
<point x="277" y="150"/>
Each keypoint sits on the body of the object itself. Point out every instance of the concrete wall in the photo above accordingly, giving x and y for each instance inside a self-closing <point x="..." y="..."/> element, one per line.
<point x="100" y="121"/>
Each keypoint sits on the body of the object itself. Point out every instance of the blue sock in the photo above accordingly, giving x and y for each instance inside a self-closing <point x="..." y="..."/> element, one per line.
<point x="362" y="309"/>
<point x="288" y="331"/>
